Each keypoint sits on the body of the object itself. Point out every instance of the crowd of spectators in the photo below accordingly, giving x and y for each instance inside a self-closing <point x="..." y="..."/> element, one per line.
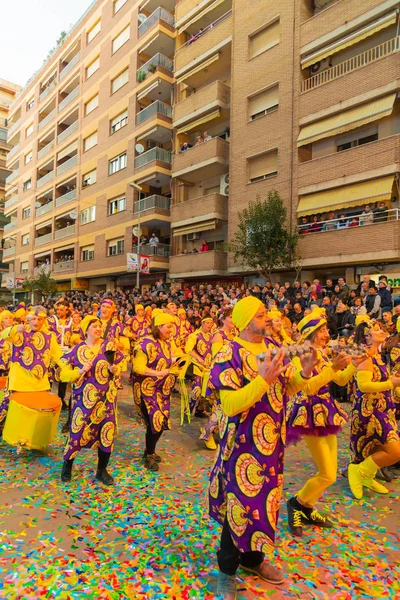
<point x="340" y="220"/>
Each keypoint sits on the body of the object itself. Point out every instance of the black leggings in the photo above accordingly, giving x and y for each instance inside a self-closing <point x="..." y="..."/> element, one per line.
<point x="151" y="438"/>
<point x="104" y="458"/>
<point x="230" y="557"/>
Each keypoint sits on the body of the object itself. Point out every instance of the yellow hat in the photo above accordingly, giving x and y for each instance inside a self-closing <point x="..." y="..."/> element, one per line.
<point x="362" y="319"/>
<point x="162" y="319"/>
<point x="311" y="323"/>
<point x="88" y="320"/>
<point x="181" y="311"/>
<point x="6" y="314"/>
<point x="274" y="314"/>
<point x="139" y="307"/>
<point x="245" y="310"/>
<point x="156" y="311"/>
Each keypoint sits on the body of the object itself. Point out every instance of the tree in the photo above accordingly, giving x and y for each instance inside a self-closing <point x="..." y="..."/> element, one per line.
<point x="262" y="240"/>
<point x="42" y="283"/>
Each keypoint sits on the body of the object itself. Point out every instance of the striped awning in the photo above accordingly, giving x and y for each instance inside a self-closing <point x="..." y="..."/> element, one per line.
<point x="187" y="229"/>
<point x="149" y="88"/>
<point x="350" y="40"/>
<point x="200" y="14"/>
<point x="147" y="133"/>
<point x="356" y="194"/>
<point x="347" y="120"/>
<point x="195" y="124"/>
<point x="195" y="70"/>
<point x="41" y="254"/>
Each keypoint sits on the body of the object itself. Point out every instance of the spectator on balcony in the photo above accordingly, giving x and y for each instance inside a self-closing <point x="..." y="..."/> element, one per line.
<point x="367" y="216"/>
<point x="353" y="221"/>
<point x="342" y="223"/>
<point x="185" y="146"/>
<point x="199" y="140"/>
<point x="315" y="225"/>
<point x="330" y="223"/>
<point x="303" y="227"/>
<point x="380" y="213"/>
<point x="204" y="247"/>
<point x="154" y="241"/>
<point x="386" y="296"/>
<point x="207" y="137"/>
<point x="143" y="239"/>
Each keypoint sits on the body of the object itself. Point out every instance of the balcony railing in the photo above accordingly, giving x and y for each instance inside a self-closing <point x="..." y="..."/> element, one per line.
<point x="152" y="202"/>
<point x="68" y="99"/>
<point x="354" y="219"/>
<point x="68" y="164"/>
<point x="42" y="210"/>
<point x="11" y="201"/>
<point x="158" y="60"/>
<point x="65" y="198"/>
<point x="43" y="239"/>
<point x="48" y="177"/>
<point x="42" y="269"/>
<point x="7" y="252"/>
<point x="9" y="226"/>
<point x="352" y="64"/>
<point x="47" y="119"/>
<point x="45" y="149"/>
<point x="65" y="265"/>
<point x="70" y="65"/>
<point x="47" y="91"/>
<point x="159" y="13"/>
<point x="67" y="132"/>
<point x="13" y="128"/>
<point x="204" y="31"/>
<point x="65" y="232"/>
<point x="159" y="250"/>
<point x="153" y="154"/>
<point x="12" y="176"/>
<point x="156" y="107"/>
<point x="13" y="151"/>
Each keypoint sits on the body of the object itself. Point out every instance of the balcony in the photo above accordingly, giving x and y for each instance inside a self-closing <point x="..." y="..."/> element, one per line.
<point x="8" y="252"/>
<point x="214" y="206"/>
<point x="68" y="164"/>
<point x="11" y="201"/>
<point x="14" y="150"/>
<point x="45" y="179"/>
<point x="47" y="91"/>
<point x="158" y="154"/>
<point x="61" y="200"/>
<point x="13" y="128"/>
<point x="67" y="132"/>
<point x="64" y="232"/>
<point x="213" y="95"/>
<point x="10" y="226"/>
<point x="69" y="66"/>
<point x="202" y="162"/>
<point x="161" y="250"/>
<point x="68" y="99"/>
<point x="43" y="239"/>
<point x="67" y="265"/>
<point x="212" y="36"/>
<point x="199" y="264"/>
<point x="44" y="209"/>
<point x="151" y="203"/>
<point x="159" y="14"/>
<point x="156" y="108"/>
<point x="12" y="176"/>
<point x="42" y="269"/>
<point x="47" y="119"/>
<point x="45" y="149"/>
<point x="152" y="65"/>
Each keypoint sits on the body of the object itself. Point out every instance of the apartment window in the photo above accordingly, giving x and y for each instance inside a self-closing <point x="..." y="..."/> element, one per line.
<point x="92" y="68"/>
<point x="357" y="139"/>
<point x="117" y="205"/>
<point x="27" y="185"/>
<point x="263" y="166"/>
<point x="265" y="38"/>
<point x="121" y="39"/>
<point x="119" y="121"/>
<point x="119" y="4"/>
<point x="88" y="215"/>
<point x="117" y="163"/>
<point x="90" y="141"/>
<point x="25" y="267"/>
<point x="93" y="31"/>
<point x="115" y="247"/>
<point x="28" y="157"/>
<point x="263" y="103"/>
<point x="29" y="130"/>
<point x="91" y="104"/>
<point x="25" y="239"/>
<point x="30" y="104"/>
<point x="89" y="178"/>
<point x="87" y="253"/>
<point x="26" y="212"/>
<point x="119" y="81"/>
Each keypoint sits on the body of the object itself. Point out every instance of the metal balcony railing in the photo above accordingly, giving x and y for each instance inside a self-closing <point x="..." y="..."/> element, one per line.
<point x="7" y="252"/>
<point x="11" y="225"/>
<point x="354" y="219"/>
<point x="48" y="177"/>
<point x="158" y="60"/>
<point x="45" y="149"/>
<point x="204" y="31"/>
<point x="43" y="239"/>
<point x="68" y="99"/>
<point x="47" y="119"/>
<point x="44" y="209"/>
<point x="13" y="128"/>
<point x="65" y="232"/>
<point x="70" y="65"/>
<point x="157" y="107"/>
<point x="47" y="91"/>
<point x="159" y="13"/>
<point x="158" y="250"/>
<point x="12" y="176"/>
<point x="67" y="132"/>
<point x="151" y="202"/>
<point x="153" y="154"/>
<point x="68" y="164"/>
<point x="65" y="265"/>
<point x="13" y="151"/>
<point x="65" y="198"/>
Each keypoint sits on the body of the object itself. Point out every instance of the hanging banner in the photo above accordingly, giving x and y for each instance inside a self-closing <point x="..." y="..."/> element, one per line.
<point x="145" y="264"/>
<point x="132" y="263"/>
<point x="7" y="281"/>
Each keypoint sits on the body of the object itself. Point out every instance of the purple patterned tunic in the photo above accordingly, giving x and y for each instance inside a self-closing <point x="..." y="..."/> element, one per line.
<point x="62" y="330"/>
<point x="203" y="348"/>
<point x="246" y="479"/>
<point x="395" y="364"/>
<point x="93" y="416"/>
<point x="373" y="417"/>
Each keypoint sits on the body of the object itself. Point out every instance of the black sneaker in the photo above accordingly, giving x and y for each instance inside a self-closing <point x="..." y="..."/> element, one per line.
<point x="157" y="457"/>
<point x="151" y="463"/>
<point x="104" y="477"/>
<point x="315" y="518"/>
<point x="295" y="517"/>
<point x="66" y="472"/>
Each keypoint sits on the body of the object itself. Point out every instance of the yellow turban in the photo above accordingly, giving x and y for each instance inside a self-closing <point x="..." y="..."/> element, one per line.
<point x="362" y="319"/>
<point x="311" y="323"/>
<point x="274" y="314"/>
<point x="163" y="319"/>
<point x="245" y="310"/>
<point x="139" y="307"/>
<point x="156" y="311"/>
<point x="181" y="311"/>
<point x="88" y="320"/>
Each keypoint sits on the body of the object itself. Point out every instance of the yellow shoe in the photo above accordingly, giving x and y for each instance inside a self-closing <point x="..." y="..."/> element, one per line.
<point x="210" y="443"/>
<point x="355" y="481"/>
<point x="375" y="486"/>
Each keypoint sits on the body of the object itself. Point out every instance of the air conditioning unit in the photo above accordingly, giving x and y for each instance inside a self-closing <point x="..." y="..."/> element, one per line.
<point x="321" y="65"/>
<point x="224" y="185"/>
<point x="191" y="237"/>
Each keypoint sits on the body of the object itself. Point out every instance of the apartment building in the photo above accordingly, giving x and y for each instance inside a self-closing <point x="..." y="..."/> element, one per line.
<point x="202" y="106"/>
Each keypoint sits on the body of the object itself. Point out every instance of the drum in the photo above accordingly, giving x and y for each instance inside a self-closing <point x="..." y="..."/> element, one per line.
<point x="32" y="419"/>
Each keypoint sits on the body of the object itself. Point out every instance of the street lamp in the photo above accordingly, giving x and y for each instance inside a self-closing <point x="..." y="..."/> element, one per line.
<point x="137" y="187"/>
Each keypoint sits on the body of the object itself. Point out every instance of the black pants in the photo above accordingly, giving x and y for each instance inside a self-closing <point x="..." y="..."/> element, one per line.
<point x="104" y="458"/>
<point x="151" y="438"/>
<point x="62" y="390"/>
<point x="229" y="557"/>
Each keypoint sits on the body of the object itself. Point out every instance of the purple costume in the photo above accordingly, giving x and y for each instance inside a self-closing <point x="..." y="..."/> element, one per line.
<point x="395" y="364"/>
<point x="202" y="347"/>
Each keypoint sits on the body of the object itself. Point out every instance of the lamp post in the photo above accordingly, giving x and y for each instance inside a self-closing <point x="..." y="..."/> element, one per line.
<point x="136" y="187"/>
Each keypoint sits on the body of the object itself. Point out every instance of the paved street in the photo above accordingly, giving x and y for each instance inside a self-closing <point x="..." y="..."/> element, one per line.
<point x="149" y="537"/>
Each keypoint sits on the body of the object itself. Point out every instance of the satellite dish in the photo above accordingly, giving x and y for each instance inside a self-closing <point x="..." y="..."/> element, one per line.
<point x="139" y="148"/>
<point x="136" y="231"/>
<point x="142" y="17"/>
<point x="73" y="214"/>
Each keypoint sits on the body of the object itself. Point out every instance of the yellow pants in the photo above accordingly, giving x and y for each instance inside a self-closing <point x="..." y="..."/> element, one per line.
<point x="324" y="452"/>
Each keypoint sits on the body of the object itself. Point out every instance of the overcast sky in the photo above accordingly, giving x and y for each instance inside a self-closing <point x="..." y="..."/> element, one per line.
<point x="29" y="29"/>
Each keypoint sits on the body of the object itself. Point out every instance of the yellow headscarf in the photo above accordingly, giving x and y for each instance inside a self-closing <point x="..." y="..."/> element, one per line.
<point x="245" y="310"/>
<point x="139" y="307"/>
<point x="274" y="314"/>
<point x="181" y="311"/>
<point x="88" y="320"/>
<point x="163" y="319"/>
<point x="311" y="322"/>
<point x="155" y="312"/>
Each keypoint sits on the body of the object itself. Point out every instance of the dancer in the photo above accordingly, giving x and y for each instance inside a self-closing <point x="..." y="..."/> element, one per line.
<point x="154" y="375"/>
<point x="92" y="366"/>
<point x="61" y="326"/>
<point x="185" y="328"/>
<point x="246" y="479"/>
<point x="138" y="325"/>
<point x="198" y="347"/>
<point x="315" y="415"/>
<point x="374" y="441"/>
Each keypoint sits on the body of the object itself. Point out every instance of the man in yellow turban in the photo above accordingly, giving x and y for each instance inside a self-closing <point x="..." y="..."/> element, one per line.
<point x="198" y="347"/>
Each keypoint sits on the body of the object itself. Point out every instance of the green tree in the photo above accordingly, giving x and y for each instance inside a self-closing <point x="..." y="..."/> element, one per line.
<point x="43" y="283"/>
<point x="262" y="240"/>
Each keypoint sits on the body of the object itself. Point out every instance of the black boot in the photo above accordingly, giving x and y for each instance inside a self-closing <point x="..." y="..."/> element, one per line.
<point x="66" y="472"/>
<point x="102" y="474"/>
<point x="157" y="457"/>
<point x="384" y="474"/>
